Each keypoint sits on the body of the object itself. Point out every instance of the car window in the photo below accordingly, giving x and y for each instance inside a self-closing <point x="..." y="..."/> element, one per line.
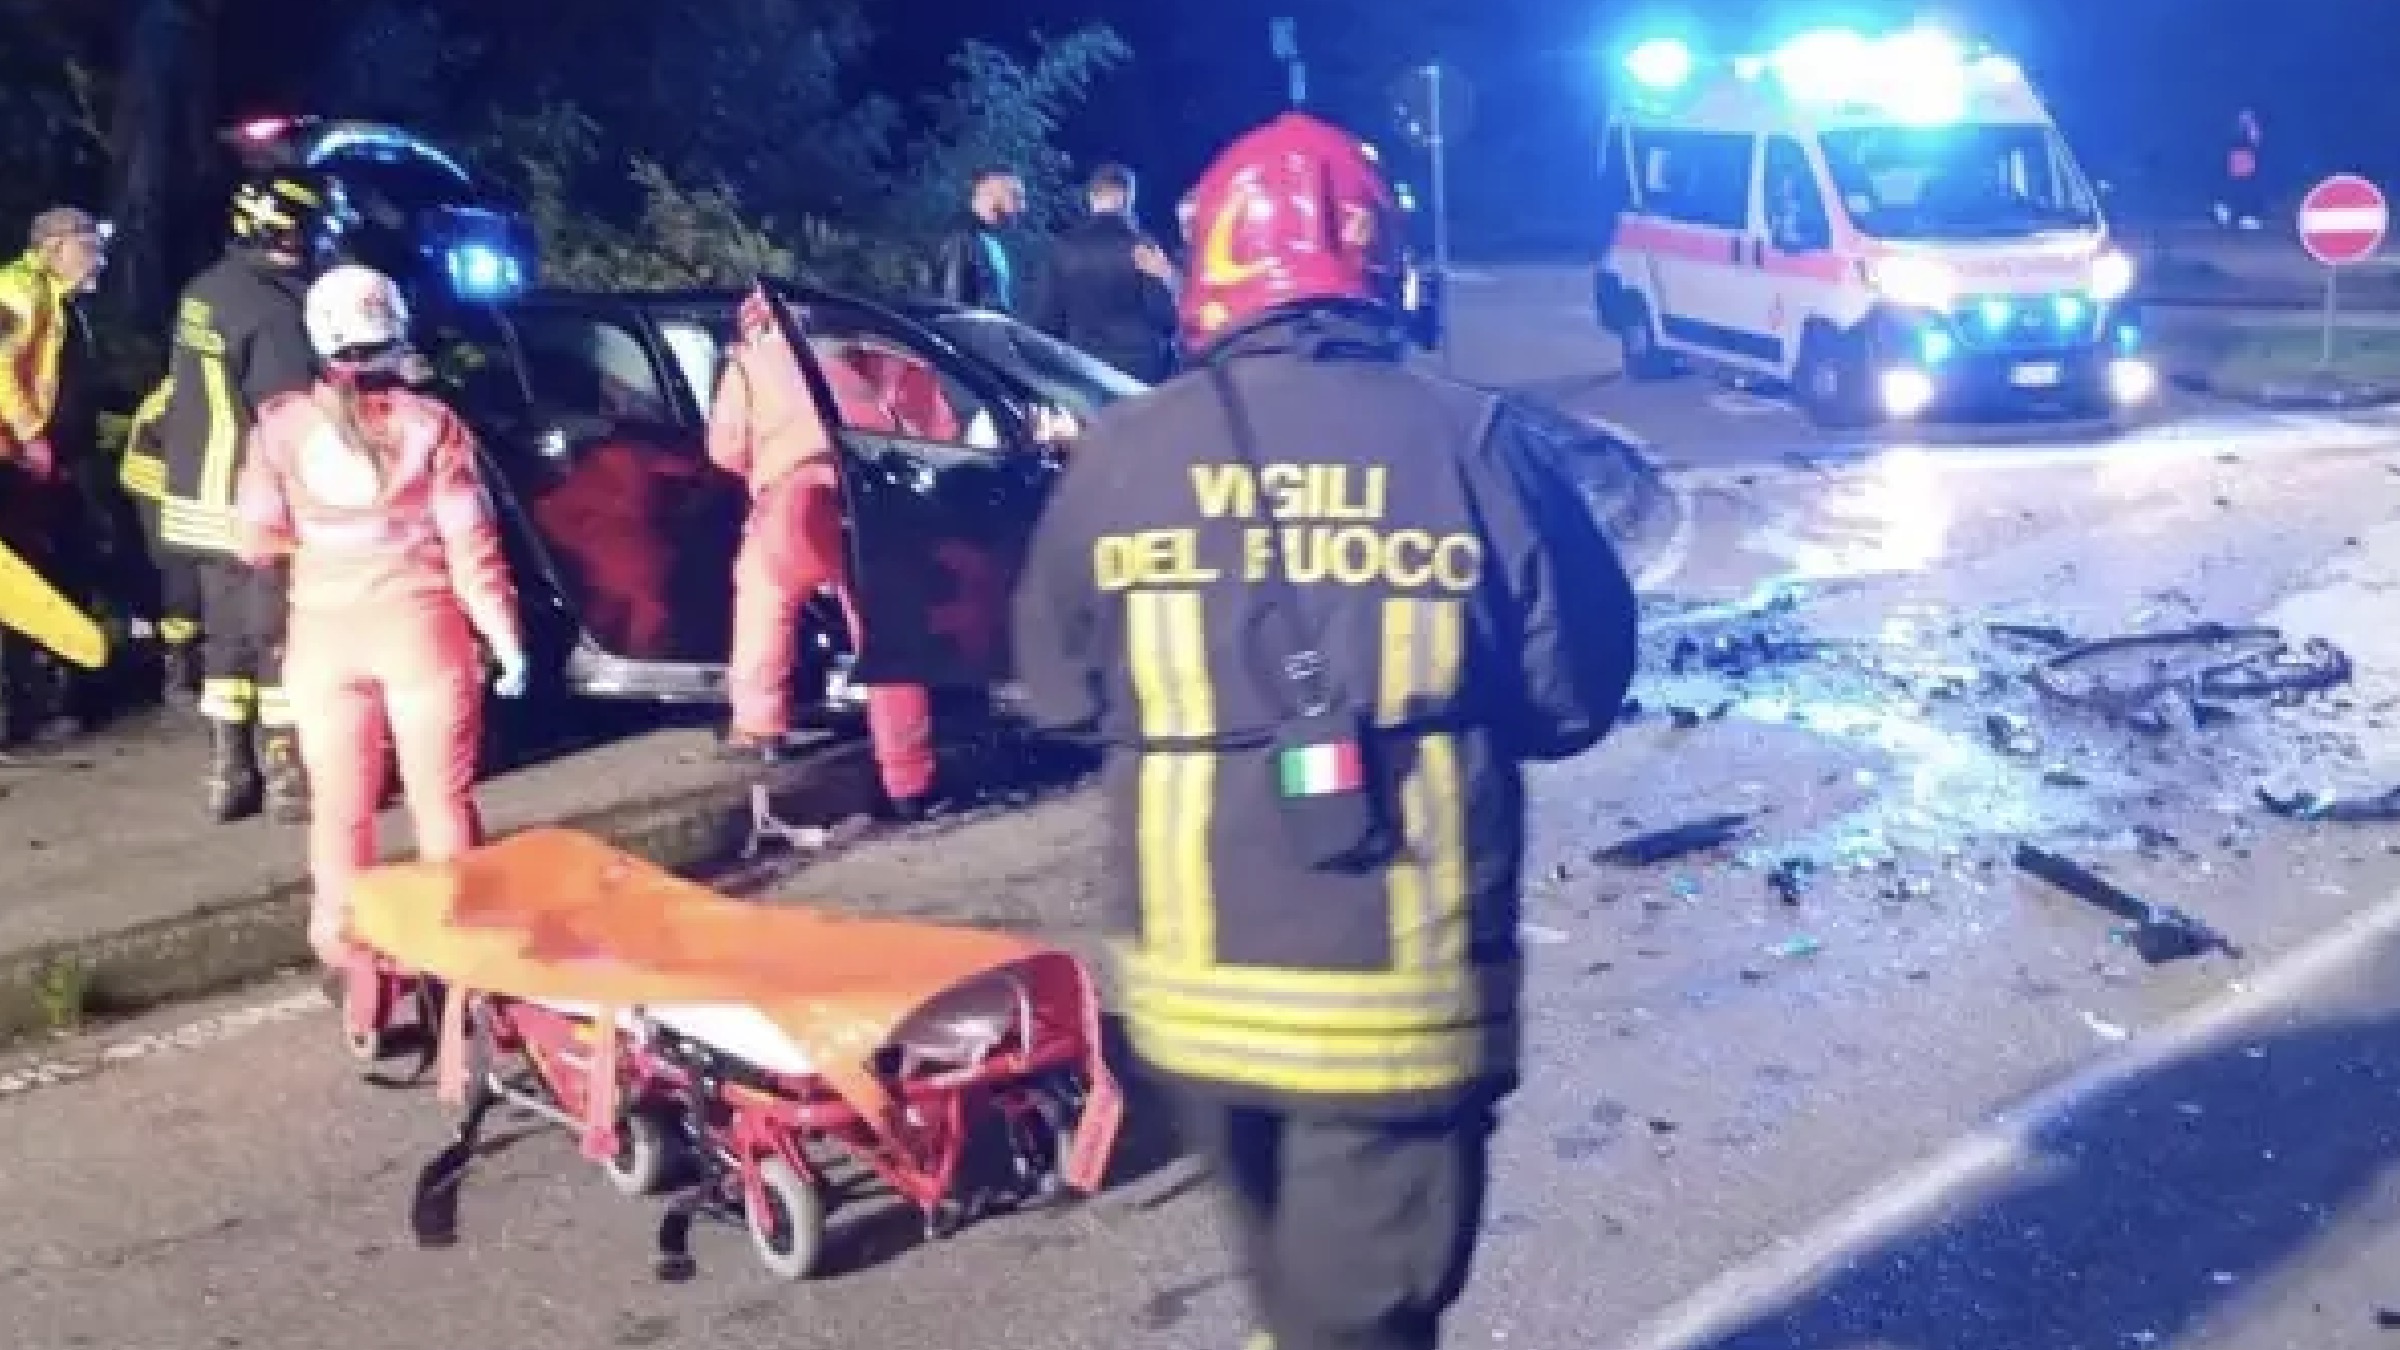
<point x="581" y="363"/>
<point x="471" y="357"/>
<point x="1065" y="377"/>
<point x="893" y="387"/>
<point x="698" y="350"/>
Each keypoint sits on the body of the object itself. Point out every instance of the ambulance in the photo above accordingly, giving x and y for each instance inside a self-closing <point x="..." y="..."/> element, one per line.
<point x="1890" y="227"/>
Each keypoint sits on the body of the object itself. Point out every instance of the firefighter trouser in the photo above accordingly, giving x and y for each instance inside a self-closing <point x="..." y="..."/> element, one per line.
<point x="174" y="577"/>
<point x="1357" y="1233"/>
<point x="241" y="643"/>
<point x="791" y="546"/>
<point x="410" y="668"/>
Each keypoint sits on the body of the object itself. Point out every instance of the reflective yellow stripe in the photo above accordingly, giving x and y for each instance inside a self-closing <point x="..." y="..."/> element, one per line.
<point x="191" y="525"/>
<point x="223" y="456"/>
<point x="1418" y="670"/>
<point x="1233" y="998"/>
<point x="144" y="476"/>
<point x="29" y="359"/>
<point x="274" y="708"/>
<point x="1318" y="1064"/>
<point x="177" y="632"/>
<point x="1166" y="642"/>
<point x="227" y="700"/>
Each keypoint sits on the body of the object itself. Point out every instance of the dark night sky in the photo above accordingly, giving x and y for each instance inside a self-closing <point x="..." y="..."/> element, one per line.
<point x="2143" y="85"/>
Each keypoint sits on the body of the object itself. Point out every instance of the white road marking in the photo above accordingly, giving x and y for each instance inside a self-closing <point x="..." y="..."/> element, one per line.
<point x="1915" y="1196"/>
<point x="212" y="1030"/>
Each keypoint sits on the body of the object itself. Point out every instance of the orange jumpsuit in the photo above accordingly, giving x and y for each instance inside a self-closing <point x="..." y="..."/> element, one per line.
<point x="765" y="428"/>
<point x="395" y="568"/>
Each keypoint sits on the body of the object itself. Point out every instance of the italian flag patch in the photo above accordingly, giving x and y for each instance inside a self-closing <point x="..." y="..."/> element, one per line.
<point x="1320" y="770"/>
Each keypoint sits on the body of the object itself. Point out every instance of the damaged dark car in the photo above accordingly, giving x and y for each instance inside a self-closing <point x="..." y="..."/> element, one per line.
<point x="592" y="412"/>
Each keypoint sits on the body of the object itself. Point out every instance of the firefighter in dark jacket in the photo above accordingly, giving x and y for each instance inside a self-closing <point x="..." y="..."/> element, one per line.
<point x="1109" y="287"/>
<point x="972" y="267"/>
<point x="239" y="341"/>
<point x="1320" y="607"/>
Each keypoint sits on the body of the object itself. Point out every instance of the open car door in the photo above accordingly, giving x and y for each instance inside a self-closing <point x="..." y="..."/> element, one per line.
<point x="941" y="485"/>
<point x="639" y="528"/>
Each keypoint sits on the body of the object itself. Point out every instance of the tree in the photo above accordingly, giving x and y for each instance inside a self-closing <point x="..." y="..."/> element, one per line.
<point x="735" y="136"/>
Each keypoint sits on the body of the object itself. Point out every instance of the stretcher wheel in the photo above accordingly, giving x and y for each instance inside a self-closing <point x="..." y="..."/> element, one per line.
<point x="788" y="1230"/>
<point x="367" y="1046"/>
<point x="364" y="1046"/>
<point x="645" y="1152"/>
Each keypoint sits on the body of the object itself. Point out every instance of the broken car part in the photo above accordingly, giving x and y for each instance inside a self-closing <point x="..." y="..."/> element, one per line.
<point x="2161" y="933"/>
<point x="1657" y="846"/>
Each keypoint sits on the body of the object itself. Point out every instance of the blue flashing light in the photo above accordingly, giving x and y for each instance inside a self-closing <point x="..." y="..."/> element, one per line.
<point x="2129" y="339"/>
<point x="1935" y="346"/>
<point x="479" y="272"/>
<point x="1660" y="64"/>
<point x="1995" y="313"/>
<point x="2069" y="310"/>
<point x="380" y="143"/>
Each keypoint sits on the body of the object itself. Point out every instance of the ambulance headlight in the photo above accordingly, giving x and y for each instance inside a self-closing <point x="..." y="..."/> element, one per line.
<point x="1661" y="64"/>
<point x="2112" y="277"/>
<point x="1916" y="282"/>
<point x="480" y="272"/>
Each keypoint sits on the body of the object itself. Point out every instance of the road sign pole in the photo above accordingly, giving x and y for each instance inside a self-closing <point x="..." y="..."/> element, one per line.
<point x="2343" y="221"/>
<point x="1435" y="142"/>
<point x="2332" y="306"/>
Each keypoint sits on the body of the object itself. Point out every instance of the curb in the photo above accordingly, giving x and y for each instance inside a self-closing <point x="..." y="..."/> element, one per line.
<point x="223" y="942"/>
<point x="2270" y="398"/>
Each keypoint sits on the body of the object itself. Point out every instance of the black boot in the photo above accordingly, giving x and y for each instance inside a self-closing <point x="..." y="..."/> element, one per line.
<point x="233" y="786"/>
<point x="287" y="783"/>
<point x="180" y="673"/>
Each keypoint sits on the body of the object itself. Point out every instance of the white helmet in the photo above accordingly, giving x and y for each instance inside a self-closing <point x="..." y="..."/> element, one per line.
<point x="353" y="307"/>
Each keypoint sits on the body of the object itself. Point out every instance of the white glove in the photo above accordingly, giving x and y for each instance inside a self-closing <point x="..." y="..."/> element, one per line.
<point x="511" y="681"/>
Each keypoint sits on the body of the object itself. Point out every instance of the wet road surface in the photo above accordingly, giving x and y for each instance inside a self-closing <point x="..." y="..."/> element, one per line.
<point x="1720" y="1066"/>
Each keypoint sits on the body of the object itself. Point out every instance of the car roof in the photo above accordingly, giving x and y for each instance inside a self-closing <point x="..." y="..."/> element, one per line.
<point x="713" y="297"/>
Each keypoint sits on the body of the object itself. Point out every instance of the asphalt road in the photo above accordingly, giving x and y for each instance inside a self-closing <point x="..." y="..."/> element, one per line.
<point x="1750" y="1123"/>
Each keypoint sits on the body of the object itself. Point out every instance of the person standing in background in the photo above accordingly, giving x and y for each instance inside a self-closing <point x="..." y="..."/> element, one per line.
<point x="2244" y="203"/>
<point x="369" y="491"/>
<point x="1109" y="288"/>
<point x="240" y="340"/>
<point x="47" y="429"/>
<point x="972" y="267"/>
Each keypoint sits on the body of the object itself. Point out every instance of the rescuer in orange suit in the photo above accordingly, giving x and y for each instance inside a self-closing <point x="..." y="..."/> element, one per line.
<point x="766" y="429"/>
<point x="370" y="491"/>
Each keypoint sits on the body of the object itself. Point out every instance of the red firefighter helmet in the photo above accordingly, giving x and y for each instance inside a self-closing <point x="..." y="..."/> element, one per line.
<point x="1293" y="212"/>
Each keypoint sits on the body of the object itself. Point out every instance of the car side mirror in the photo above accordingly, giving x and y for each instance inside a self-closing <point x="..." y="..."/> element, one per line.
<point x="567" y="434"/>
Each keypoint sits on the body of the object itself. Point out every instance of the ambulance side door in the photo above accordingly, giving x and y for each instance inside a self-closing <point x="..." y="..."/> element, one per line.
<point x="1697" y="189"/>
<point x="1794" y="250"/>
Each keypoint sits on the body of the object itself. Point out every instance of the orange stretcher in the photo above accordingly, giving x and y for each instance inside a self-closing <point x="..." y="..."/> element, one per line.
<point x="675" y="1026"/>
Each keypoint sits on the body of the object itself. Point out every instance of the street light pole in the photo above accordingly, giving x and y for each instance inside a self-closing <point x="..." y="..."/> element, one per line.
<point x="1435" y="139"/>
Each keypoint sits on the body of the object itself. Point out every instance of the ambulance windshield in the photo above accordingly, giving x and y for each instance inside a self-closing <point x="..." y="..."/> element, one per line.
<point x="1961" y="181"/>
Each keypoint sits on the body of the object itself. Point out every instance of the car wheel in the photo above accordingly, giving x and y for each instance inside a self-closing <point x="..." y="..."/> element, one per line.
<point x="1637" y="336"/>
<point x="1831" y="381"/>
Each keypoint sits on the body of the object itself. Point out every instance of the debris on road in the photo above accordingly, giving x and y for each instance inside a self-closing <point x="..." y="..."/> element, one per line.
<point x="1790" y="879"/>
<point x="767" y="827"/>
<point x="2316" y="805"/>
<point x="2039" y="634"/>
<point x="2160" y="933"/>
<point x="2126" y="676"/>
<point x="2011" y="734"/>
<point x="2103" y="1028"/>
<point x="1657" y="846"/>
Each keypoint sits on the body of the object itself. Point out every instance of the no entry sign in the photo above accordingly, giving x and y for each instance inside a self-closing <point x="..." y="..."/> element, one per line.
<point x="2342" y="220"/>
